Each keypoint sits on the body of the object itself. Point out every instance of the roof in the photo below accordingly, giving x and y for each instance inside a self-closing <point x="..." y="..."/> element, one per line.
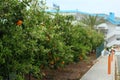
<point x="114" y="32"/>
<point x="114" y="42"/>
<point x="107" y="17"/>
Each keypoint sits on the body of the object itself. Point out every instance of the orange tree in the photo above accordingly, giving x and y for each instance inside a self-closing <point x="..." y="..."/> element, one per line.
<point x="32" y="39"/>
<point x="53" y="51"/>
<point x="29" y="40"/>
<point x="59" y="42"/>
<point x="16" y="44"/>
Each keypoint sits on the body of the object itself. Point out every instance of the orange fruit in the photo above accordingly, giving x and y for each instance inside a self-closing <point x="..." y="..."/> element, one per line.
<point x="63" y="62"/>
<point x="81" y="58"/>
<point x="19" y="22"/>
<point x="52" y="62"/>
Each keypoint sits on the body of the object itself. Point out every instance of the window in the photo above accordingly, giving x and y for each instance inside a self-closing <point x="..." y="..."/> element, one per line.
<point x="117" y="38"/>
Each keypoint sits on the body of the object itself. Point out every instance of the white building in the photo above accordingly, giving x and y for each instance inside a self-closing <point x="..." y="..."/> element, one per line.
<point x="113" y="36"/>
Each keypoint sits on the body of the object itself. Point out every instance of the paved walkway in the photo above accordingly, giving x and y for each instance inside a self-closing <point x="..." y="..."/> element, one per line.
<point x="99" y="71"/>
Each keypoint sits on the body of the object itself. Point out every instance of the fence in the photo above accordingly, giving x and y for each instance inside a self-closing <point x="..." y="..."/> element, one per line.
<point x="99" y="49"/>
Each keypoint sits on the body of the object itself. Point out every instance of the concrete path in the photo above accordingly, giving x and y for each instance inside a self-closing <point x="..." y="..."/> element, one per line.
<point x="99" y="70"/>
<point x="117" y="67"/>
<point x="117" y="53"/>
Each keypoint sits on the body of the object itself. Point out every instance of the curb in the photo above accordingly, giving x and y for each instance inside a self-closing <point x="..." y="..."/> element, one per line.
<point x="117" y="75"/>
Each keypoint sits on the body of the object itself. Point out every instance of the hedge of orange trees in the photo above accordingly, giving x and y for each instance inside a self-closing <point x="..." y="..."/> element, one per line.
<point x="32" y="39"/>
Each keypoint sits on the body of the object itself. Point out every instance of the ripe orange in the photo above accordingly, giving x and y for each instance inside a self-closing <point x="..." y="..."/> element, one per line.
<point x="81" y="58"/>
<point x="19" y="22"/>
<point x="63" y="62"/>
<point x="52" y="62"/>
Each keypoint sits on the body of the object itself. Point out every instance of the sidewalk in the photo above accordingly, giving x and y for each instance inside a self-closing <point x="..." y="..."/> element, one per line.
<point x="99" y="70"/>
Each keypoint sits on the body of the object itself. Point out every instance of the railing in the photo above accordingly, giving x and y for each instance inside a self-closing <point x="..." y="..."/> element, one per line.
<point x="99" y="50"/>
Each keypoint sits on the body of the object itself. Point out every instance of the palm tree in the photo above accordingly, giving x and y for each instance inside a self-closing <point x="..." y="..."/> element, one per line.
<point x="91" y="21"/>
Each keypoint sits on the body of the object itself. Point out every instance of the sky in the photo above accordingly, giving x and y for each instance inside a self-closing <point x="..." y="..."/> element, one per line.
<point x="89" y="6"/>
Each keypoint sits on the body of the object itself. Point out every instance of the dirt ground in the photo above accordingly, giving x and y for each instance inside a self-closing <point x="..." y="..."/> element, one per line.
<point x="73" y="71"/>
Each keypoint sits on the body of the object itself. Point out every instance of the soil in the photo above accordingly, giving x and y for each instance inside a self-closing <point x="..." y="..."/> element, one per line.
<point x="73" y="71"/>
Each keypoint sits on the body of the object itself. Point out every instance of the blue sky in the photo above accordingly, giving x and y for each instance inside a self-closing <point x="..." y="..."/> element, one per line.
<point x="90" y="6"/>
